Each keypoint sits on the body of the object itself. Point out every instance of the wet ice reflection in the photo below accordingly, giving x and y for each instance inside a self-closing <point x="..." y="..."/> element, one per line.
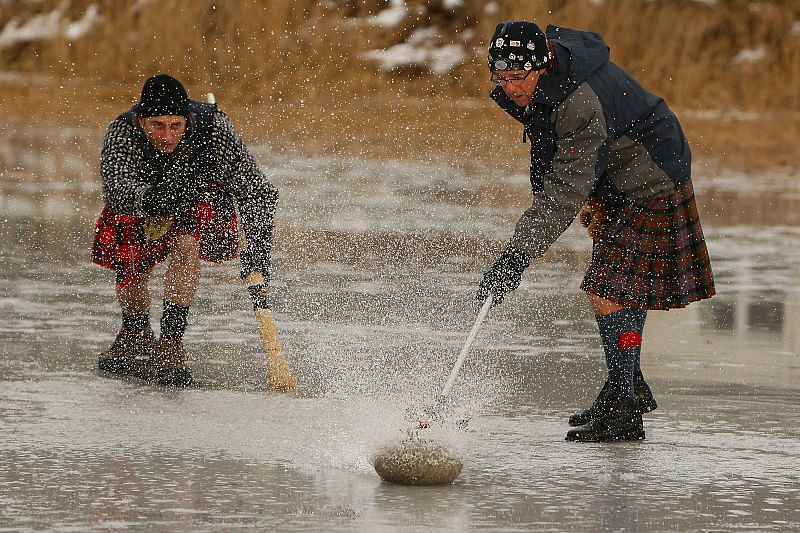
<point x="375" y="267"/>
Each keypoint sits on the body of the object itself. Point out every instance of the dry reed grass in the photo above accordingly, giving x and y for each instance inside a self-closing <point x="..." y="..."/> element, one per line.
<point x="291" y="70"/>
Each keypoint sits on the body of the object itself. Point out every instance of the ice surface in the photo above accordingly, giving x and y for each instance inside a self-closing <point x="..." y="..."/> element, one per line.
<point x="375" y="267"/>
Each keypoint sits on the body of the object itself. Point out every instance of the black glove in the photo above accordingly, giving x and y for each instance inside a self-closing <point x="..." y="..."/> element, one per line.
<point x="258" y="293"/>
<point x="169" y="198"/>
<point x="504" y="276"/>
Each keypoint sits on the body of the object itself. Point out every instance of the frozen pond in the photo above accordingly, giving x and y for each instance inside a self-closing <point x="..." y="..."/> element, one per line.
<point x="374" y="275"/>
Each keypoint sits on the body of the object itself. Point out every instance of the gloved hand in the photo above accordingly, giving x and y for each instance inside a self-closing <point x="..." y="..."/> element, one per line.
<point x="169" y="198"/>
<point x="592" y="216"/>
<point x="504" y="276"/>
<point x="258" y="293"/>
<point x="255" y="262"/>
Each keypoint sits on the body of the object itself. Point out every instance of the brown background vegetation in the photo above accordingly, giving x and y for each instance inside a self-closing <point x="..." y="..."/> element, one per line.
<point x="291" y="73"/>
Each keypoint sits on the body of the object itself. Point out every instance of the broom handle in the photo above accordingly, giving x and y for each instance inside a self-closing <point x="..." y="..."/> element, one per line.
<point x="467" y="345"/>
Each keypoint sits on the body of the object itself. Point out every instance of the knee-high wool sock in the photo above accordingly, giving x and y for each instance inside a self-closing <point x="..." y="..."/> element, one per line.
<point x="135" y="323"/>
<point x="622" y="339"/>
<point x="173" y="321"/>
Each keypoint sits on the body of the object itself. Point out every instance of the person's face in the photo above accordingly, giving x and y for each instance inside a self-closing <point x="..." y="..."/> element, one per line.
<point x="519" y="85"/>
<point x="165" y="131"/>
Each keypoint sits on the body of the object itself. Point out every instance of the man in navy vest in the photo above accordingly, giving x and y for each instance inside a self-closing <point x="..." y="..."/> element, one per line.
<point x="599" y="139"/>
<point x="172" y="170"/>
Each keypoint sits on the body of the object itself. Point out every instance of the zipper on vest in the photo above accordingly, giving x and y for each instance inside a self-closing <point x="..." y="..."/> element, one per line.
<point x="526" y="118"/>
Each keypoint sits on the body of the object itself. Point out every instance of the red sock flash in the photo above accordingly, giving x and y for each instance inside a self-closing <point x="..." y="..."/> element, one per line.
<point x="630" y="339"/>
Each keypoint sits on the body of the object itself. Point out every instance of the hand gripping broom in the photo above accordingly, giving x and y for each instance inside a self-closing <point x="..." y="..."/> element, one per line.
<point x="278" y="373"/>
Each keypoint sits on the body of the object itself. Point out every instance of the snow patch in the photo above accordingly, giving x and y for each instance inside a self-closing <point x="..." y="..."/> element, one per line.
<point x="749" y="55"/>
<point x="37" y="27"/>
<point x="420" y="51"/>
<point x="391" y="16"/>
<point x="452" y="4"/>
<point x="48" y="26"/>
<point x="79" y="28"/>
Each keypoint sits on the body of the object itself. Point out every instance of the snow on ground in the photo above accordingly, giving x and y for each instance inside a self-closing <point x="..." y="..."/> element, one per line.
<point x="48" y="26"/>
<point x="420" y="51"/>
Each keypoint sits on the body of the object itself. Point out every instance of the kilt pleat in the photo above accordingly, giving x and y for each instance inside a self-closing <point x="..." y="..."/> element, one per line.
<point x="652" y="254"/>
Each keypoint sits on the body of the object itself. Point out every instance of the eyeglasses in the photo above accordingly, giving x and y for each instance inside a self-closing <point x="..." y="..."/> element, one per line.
<point x="499" y="80"/>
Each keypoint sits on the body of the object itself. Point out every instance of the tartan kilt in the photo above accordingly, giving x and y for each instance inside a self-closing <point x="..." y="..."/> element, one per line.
<point x="652" y="254"/>
<point x="120" y="243"/>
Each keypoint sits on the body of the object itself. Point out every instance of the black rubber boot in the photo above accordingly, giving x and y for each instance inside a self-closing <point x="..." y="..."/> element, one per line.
<point x="586" y="416"/>
<point x="120" y="358"/>
<point x="643" y="394"/>
<point x="640" y="388"/>
<point x="619" y="419"/>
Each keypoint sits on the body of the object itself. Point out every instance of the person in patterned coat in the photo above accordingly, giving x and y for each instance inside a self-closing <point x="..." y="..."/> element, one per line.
<point x="174" y="171"/>
<point x="599" y="140"/>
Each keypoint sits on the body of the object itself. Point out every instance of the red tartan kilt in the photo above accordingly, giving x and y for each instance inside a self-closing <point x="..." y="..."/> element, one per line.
<point x="120" y="243"/>
<point x="652" y="254"/>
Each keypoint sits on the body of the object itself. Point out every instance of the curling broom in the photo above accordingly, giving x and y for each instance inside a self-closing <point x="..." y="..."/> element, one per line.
<point x="278" y="373"/>
<point x="421" y="461"/>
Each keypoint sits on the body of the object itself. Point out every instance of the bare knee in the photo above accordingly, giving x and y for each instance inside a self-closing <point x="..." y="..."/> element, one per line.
<point x="185" y="249"/>
<point x="602" y="306"/>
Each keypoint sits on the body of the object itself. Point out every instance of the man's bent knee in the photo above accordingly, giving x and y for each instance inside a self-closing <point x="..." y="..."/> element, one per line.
<point x="185" y="248"/>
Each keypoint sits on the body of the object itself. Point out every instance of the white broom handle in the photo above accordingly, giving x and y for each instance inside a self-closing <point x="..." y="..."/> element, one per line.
<point x="467" y="345"/>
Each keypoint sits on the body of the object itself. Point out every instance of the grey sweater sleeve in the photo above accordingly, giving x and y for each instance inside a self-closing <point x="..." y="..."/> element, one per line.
<point x="581" y="149"/>
<point x="255" y="196"/>
<point x="122" y="169"/>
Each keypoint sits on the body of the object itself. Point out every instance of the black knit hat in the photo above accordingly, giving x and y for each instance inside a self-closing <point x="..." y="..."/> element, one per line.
<point x="518" y="46"/>
<point x="162" y="95"/>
